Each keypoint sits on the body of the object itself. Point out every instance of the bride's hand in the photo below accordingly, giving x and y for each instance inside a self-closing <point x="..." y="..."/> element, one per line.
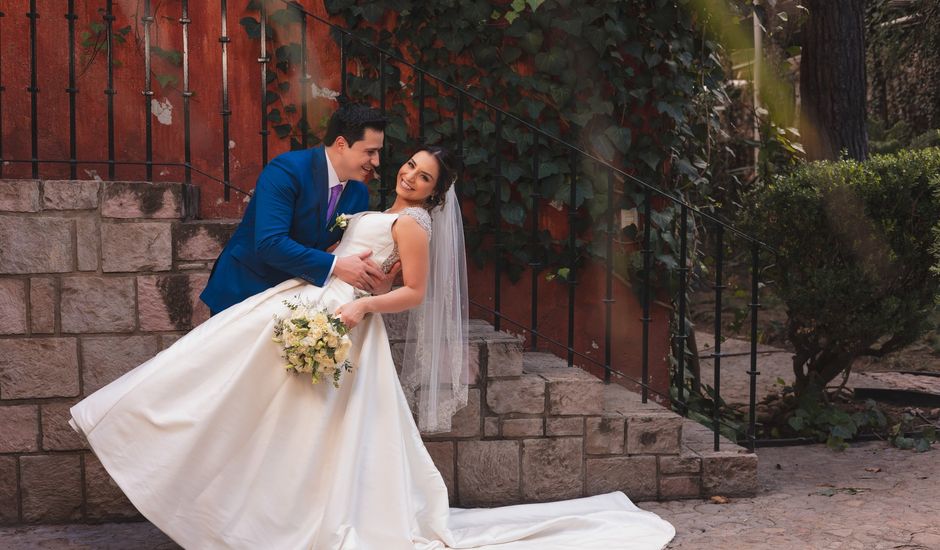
<point x="352" y="313"/>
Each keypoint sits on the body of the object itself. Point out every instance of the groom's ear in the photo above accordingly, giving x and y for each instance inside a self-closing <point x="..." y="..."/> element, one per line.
<point x="340" y="143"/>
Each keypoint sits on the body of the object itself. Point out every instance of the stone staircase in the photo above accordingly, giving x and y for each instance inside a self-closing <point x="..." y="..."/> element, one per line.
<point x="536" y="430"/>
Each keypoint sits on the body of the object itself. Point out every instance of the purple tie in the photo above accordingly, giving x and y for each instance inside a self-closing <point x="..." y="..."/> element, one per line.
<point x="334" y="197"/>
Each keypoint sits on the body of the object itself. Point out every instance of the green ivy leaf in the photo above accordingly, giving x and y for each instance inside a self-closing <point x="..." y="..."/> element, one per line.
<point x="553" y="61"/>
<point x="252" y="27"/>
<point x="282" y="130"/>
<point x="166" y="80"/>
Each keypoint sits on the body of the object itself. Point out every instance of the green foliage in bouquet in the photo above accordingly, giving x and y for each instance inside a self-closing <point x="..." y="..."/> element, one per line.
<point x="857" y="257"/>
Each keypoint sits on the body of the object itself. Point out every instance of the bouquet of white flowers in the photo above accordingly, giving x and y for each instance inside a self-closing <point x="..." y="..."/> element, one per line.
<point x="313" y="341"/>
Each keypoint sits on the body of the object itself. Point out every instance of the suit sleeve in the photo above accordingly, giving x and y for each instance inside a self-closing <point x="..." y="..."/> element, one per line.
<point x="276" y="194"/>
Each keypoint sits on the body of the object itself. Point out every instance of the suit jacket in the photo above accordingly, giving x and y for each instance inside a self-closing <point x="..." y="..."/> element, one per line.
<point x="284" y="231"/>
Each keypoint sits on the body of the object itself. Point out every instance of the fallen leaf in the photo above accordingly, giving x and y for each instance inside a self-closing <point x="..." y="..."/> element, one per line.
<point x="717" y="499"/>
<point x="872" y="470"/>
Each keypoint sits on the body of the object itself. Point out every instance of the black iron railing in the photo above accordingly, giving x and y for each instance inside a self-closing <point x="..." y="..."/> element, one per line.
<point x="465" y="102"/>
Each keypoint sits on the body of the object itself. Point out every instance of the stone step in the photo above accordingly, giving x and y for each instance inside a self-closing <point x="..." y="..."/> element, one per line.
<point x="729" y="471"/>
<point x="536" y="429"/>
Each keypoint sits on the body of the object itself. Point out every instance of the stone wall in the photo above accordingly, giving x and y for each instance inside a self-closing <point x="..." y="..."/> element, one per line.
<point x="95" y="278"/>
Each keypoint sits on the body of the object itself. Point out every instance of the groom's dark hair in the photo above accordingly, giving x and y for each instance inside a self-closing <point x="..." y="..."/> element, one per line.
<point x="351" y="121"/>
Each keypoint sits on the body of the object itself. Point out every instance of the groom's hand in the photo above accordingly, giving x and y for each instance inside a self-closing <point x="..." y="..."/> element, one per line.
<point x="388" y="280"/>
<point x="359" y="271"/>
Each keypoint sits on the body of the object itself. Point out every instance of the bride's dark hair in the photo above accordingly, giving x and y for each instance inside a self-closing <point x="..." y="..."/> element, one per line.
<point x="447" y="174"/>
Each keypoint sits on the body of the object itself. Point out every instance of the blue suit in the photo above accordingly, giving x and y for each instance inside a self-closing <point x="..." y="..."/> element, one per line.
<point x="284" y="231"/>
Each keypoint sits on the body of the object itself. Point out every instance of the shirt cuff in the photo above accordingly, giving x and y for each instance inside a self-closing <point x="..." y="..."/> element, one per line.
<point x="330" y="272"/>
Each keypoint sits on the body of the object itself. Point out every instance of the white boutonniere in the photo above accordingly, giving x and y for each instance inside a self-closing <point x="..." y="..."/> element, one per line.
<point x="341" y="221"/>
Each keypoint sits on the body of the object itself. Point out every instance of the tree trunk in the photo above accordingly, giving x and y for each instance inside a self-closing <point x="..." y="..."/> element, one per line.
<point x="832" y="80"/>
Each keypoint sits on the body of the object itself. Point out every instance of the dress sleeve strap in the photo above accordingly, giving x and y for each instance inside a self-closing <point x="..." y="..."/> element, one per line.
<point x="420" y="215"/>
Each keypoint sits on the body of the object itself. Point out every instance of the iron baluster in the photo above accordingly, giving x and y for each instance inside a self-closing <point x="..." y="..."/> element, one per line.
<point x="343" y="55"/>
<point x="422" y="137"/>
<point x="384" y="184"/>
<point x="148" y="90"/>
<point x="719" y="261"/>
<point x="753" y="373"/>
<point x="187" y="95"/>
<point x="305" y="80"/>
<point x="263" y="60"/>
<point x="458" y="183"/>
<point x="497" y="219"/>
<point x="683" y="336"/>
<point x="226" y="112"/>
<point x="572" y="252"/>
<point x="609" y="293"/>
<point x="71" y="90"/>
<point x="33" y="88"/>
<point x="2" y="15"/>
<point x="534" y="261"/>
<point x="110" y="91"/>
<point x="647" y="281"/>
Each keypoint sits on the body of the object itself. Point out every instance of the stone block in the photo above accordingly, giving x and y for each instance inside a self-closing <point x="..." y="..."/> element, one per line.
<point x="685" y="464"/>
<point x="88" y="241"/>
<point x="57" y="435"/>
<point x="551" y="468"/>
<point x="122" y="199"/>
<point x="145" y="246"/>
<point x="487" y="472"/>
<point x="566" y="397"/>
<point x="443" y="453"/>
<point x="19" y="196"/>
<point x="475" y="351"/>
<point x="680" y="487"/>
<point x="35" y="245"/>
<point x="201" y="240"/>
<point x="51" y="488"/>
<point x="12" y="306"/>
<point x="396" y="325"/>
<point x="171" y="302"/>
<point x="519" y="395"/>
<point x="97" y="304"/>
<point x="9" y="491"/>
<point x="105" y="359"/>
<point x="503" y="357"/>
<point x="70" y="195"/>
<point x="634" y="475"/>
<point x="42" y="305"/>
<point x="491" y="426"/>
<point x="167" y="340"/>
<point x="38" y="367"/>
<point x="466" y="423"/>
<point x="728" y="473"/>
<point x="522" y="427"/>
<point x="604" y="435"/>
<point x="105" y="499"/>
<point x="19" y="425"/>
<point x="654" y="433"/>
<point x="573" y="425"/>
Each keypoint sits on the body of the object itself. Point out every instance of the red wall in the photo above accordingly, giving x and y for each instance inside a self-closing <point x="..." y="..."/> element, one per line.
<point x="207" y="141"/>
<point x="130" y="114"/>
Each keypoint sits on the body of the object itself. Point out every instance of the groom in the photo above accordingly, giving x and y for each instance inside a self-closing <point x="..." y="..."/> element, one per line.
<point x="286" y="229"/>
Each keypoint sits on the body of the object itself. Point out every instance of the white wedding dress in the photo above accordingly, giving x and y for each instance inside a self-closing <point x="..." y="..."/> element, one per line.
<point x="218" y="446"/>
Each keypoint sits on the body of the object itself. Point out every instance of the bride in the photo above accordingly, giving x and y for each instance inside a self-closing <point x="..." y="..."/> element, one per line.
<point x="219" y="447"/>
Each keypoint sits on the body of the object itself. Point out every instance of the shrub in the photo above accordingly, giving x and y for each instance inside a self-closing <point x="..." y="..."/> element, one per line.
<point x="856" y="262"/>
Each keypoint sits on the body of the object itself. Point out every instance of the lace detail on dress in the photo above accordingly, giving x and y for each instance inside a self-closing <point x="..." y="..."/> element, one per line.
<point x="419" y="215"/>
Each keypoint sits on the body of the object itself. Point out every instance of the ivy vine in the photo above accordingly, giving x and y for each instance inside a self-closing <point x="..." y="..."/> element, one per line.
<point x="634" y="83"/>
